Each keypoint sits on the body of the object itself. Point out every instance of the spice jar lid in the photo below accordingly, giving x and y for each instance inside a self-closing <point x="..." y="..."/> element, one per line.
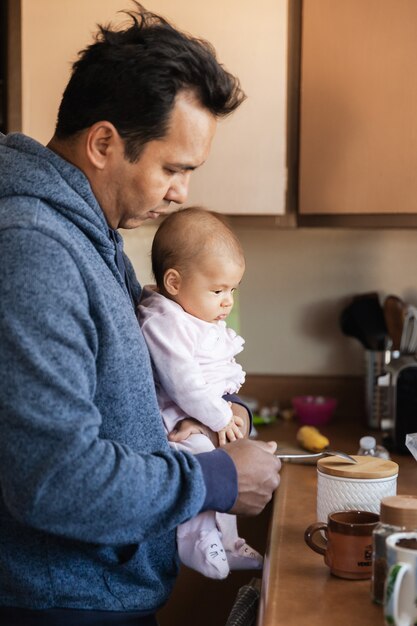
<point x="399" y="511"/>
<point x="366" y="467"/>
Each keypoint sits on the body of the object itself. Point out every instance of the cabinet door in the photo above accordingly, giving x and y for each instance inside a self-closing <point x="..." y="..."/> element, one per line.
<point x="358" y="109"/>
<point x="246" y="170"/>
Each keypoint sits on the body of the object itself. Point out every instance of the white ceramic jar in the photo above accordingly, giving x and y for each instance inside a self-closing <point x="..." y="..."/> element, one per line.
<point x="361" y="486"/>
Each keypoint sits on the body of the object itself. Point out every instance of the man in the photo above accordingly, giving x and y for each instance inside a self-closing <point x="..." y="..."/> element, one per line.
<point x="91" y="493"/>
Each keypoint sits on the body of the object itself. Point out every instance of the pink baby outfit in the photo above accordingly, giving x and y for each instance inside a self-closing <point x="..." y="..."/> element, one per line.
<point x="193" y="362"/>
<point x="194" y="366"/>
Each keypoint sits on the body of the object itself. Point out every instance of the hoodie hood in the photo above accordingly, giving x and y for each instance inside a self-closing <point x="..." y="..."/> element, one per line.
<point x="29" y="169"/>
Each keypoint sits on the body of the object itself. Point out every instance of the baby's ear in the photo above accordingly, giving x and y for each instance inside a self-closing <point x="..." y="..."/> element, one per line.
<point x="172" y="282"/>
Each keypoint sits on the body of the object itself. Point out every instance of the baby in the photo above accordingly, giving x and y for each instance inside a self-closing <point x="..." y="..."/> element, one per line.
<point x="198" y="263"/>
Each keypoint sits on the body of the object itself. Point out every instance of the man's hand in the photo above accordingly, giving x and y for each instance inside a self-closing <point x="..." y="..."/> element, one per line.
<point x="258" y="474"/>
<point x="256" y="466"/>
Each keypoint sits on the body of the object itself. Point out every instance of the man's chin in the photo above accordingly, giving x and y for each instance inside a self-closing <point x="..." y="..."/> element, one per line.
<point x="132" y="223"/>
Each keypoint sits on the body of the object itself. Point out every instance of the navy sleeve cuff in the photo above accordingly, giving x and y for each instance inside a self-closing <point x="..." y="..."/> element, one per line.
<point x="220" y="478"/>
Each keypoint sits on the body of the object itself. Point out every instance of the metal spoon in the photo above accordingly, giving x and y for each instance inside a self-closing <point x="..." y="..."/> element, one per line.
<point x="317" y="455"/>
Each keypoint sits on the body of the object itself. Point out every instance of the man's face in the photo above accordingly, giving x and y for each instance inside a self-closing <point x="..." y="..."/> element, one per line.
<point x="134" y="192"/>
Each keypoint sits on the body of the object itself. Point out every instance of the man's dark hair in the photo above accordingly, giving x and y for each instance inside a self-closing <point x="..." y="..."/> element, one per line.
<point x="131" y="77"/>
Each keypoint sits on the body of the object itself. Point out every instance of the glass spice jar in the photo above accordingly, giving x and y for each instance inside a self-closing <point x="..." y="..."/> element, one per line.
<point x="397" y="513"/>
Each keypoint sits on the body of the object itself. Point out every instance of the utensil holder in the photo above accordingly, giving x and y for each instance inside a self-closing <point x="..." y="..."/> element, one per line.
<point x="376" y="395"/>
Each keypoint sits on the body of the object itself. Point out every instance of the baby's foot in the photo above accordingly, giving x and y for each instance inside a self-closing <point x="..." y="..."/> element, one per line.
<point x="244" y="557"/>
<point x="206" y="555"/>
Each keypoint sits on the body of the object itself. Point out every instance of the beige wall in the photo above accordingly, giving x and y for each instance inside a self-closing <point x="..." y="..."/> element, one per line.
<point x="297" y="281"/>
<point x="296" y="284"/>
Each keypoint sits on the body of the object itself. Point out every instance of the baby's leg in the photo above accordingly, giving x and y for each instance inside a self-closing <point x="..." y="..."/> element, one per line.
<point x="199" y="541"/>
<point x="239" y="554"/>
<point x="200" y="546"/>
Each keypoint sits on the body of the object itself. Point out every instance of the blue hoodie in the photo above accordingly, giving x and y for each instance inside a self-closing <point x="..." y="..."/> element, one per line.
<point x="91" y="493"/>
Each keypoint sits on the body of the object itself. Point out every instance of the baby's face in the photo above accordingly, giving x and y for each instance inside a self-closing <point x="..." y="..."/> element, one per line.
<point x="207" y="290"/>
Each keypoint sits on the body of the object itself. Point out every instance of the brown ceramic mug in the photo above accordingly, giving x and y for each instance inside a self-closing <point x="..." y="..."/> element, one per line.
<point x="347" y="542"/>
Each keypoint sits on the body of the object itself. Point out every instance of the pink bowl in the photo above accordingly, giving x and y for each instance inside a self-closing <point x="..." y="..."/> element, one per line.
<point x="314" y="410"/>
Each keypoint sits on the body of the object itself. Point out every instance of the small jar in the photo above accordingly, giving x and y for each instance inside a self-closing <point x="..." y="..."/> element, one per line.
<point x="398" y="513"/>
<point x="357" y="486"/>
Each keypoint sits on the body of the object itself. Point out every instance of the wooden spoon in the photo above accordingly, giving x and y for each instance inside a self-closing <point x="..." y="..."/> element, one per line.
<point x="395" y="311"/>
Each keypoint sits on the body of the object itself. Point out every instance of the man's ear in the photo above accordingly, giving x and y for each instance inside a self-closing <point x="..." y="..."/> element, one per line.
<point x="172" y="282"/>
<point x="102" y="139"/>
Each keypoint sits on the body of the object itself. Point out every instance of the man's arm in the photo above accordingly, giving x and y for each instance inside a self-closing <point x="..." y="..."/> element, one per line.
<point x="240" y="477"/>
<point x="257" y="469"/>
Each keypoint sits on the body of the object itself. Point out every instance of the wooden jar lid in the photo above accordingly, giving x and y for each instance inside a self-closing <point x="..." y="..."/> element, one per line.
<point x="366" y="467"/>
<point x="399" y="511"/>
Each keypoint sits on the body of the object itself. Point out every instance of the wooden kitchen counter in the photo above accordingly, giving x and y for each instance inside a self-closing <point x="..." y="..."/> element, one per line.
<point x="297" y="587"/>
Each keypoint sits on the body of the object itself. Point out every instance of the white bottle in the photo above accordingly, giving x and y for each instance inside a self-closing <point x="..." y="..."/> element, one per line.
<point x="369" y="447"/>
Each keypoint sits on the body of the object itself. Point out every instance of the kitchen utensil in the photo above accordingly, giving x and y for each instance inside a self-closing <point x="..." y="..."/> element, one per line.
<point x="350" y="327"/>
<point x="408" y="342"/>
<point x="316" y="455"/>
<point x="376" y="395"/>
<point x="394" y="313"/>
<point x="364" y="319"/>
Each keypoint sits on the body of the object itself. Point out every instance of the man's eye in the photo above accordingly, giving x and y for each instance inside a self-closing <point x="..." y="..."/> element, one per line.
<point x="217" y="292"/>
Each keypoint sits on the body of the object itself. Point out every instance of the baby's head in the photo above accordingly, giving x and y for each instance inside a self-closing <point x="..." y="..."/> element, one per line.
<point x="198" y="262"/>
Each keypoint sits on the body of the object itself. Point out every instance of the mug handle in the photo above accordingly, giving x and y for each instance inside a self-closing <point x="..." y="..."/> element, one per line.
<point x="309" y="537"/>
<point x="392" y="592"/>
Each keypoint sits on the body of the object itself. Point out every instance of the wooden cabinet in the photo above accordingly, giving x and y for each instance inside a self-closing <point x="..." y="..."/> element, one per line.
<point x="3" y="64"/>
<point x="246" y="172"/>
<point x="358" y="107"/>
<point x="10" y="66"/>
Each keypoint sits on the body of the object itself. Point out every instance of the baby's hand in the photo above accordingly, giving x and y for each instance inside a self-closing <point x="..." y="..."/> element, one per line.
<point x="232" y="431"/>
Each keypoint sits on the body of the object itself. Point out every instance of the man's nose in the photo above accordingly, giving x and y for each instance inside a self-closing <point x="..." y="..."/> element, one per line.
<point x="178" y="190"/>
